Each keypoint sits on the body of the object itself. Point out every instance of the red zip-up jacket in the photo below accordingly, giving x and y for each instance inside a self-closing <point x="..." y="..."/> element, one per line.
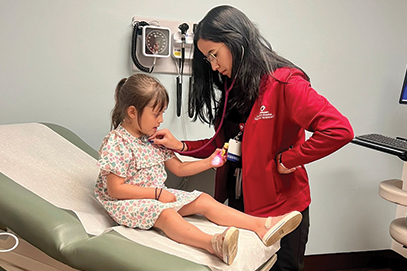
<point x="285" y="108"/>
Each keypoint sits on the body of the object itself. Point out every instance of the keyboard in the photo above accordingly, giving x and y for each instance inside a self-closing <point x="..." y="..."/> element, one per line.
<point x="383" y="143"/>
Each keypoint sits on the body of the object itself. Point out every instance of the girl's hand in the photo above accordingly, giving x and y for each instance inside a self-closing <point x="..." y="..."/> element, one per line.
<point x="216" y="159"/>
<point x="166" y="197"/>
<point x="165" y="138"/>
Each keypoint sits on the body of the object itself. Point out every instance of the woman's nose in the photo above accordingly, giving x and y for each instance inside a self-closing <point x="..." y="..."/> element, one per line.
<point x="214" y="65"/>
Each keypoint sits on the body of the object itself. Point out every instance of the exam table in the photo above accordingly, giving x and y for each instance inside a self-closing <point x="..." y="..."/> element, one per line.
<point x="60" y="233"/>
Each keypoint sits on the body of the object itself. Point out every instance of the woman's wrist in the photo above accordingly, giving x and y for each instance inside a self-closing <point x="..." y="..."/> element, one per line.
<point x="184" y="146"/>
<point x="280" y="161"/>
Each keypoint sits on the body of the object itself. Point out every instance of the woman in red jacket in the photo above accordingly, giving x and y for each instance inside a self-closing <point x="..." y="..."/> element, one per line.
<point x="269" y="106"/>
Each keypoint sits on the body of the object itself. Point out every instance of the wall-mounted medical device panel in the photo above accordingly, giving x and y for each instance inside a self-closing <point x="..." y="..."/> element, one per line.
<point x="161" y="44"/>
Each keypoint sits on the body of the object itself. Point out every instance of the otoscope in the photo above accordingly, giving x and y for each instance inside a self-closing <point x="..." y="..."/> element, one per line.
<point x="184" y="28"/>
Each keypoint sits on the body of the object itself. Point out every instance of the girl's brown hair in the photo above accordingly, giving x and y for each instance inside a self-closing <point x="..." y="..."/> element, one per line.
<point x="138" y="90"/>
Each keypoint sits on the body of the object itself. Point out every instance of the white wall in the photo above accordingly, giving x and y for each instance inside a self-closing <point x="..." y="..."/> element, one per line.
<point x="61" y="60"/>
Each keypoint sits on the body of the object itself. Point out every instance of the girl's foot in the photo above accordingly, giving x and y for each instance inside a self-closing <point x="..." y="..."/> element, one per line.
<point x="282" y="225"/>
<point x="225" y="244"/>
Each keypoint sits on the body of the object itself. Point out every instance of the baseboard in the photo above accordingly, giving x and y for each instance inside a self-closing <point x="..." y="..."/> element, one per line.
<point x="356" y="260"/>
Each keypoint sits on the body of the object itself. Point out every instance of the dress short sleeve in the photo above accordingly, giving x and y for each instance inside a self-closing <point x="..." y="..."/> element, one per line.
<point x="168" y="154"/>
<point x="115" y="155"/>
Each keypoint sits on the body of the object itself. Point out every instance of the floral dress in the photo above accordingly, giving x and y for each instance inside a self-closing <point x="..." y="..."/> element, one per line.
<point x="141" y="164"/>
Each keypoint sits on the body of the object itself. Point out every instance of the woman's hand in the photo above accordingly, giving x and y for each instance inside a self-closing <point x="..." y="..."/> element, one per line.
<point x="166" y="196"/>
<point x="281" y="168"/>
<point x="165" y="138"/>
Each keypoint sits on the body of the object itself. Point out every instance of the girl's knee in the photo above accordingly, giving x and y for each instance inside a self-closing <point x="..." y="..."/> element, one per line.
<point x="205" y="196"/>
<point x="164" y="216"/>
<point x="167" y="213"/>
<point x="205" y="201"/>
<point x="199" y="206"/>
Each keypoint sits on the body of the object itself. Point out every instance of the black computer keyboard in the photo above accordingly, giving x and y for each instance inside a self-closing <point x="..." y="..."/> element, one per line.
<point x="386" y="141"/>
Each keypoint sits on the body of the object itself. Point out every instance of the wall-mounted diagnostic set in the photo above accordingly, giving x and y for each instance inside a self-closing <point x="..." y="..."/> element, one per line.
<point x="158" y="45"/>
<point x="163" y="47"/>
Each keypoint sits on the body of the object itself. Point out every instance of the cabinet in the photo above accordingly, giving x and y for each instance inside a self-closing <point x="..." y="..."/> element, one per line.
<point x="396" y="191"/>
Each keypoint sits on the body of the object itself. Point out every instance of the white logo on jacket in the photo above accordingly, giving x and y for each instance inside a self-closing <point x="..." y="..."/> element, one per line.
<point x="264" y="114"/>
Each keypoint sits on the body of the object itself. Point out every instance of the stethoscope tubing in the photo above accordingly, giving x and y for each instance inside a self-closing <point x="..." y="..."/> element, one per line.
<point x="227" y="90"/>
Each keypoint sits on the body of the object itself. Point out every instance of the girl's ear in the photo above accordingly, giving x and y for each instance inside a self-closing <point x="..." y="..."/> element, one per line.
<point x="132" y="112"/>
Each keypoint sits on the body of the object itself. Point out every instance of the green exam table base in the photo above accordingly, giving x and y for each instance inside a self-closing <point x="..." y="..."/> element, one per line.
<point x="60" y="234"/>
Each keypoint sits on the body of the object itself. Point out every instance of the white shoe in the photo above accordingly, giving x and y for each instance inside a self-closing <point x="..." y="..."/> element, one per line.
<point x="283" y="227"/>
<point x="225" y="244"/>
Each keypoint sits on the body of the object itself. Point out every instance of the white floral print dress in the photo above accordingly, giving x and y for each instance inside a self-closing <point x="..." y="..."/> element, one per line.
<point x="141" y="164"/>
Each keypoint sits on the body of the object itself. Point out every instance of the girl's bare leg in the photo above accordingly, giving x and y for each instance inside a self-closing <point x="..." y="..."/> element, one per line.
<point x="224" y="215"/>
<point x="179" y="230"/>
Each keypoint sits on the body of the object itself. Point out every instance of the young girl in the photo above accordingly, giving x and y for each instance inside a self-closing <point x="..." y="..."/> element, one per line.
<point x="132" y="174"/>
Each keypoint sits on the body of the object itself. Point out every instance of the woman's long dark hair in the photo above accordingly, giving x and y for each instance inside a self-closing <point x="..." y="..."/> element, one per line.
<point x="228" y="25"/>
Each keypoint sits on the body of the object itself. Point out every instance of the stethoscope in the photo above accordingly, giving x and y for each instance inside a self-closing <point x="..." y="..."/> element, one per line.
<point x="227" y="90"/>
